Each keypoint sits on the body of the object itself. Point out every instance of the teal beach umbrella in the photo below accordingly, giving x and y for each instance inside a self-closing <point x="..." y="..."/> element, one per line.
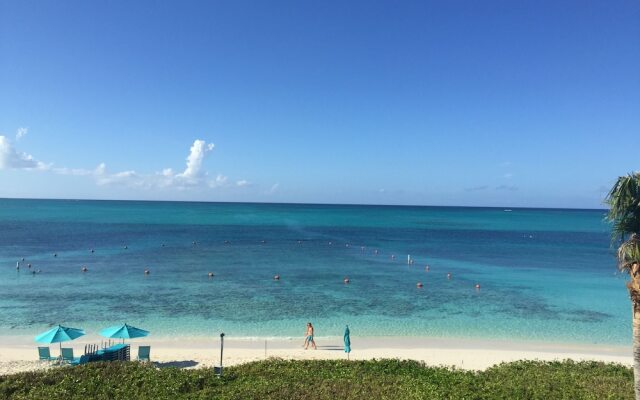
<point x="59" y="334"/>
<point x="347" y="342"/>
<point x="123" y="332"/>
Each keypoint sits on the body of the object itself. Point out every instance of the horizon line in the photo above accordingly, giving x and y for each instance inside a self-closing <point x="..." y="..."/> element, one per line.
<point x="302" y="203"/>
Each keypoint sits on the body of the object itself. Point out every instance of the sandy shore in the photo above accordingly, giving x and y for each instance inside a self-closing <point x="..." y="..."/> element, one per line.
<point x="20" y="353"/>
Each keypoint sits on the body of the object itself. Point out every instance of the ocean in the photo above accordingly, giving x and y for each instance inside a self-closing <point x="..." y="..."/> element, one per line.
<point x="544" y="274"/>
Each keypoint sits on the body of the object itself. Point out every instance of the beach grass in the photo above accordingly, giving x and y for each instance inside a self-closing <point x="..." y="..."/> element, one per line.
<point x="326" y="379"/>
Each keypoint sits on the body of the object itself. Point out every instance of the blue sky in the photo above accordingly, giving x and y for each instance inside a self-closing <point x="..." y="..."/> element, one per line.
<point x="492" y="103"/>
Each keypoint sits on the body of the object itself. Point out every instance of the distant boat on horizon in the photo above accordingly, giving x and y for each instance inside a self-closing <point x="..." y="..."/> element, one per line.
<point x="507" y="210"/>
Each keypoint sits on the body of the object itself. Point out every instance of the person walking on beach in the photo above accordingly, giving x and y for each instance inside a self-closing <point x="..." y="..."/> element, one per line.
<point x="309" y="337"/>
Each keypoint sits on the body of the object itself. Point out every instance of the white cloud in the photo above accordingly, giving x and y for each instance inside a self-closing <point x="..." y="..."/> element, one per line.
<point x="508" y="175"/>
<point x="101" y="175"/>
<point x="167" y="172"/>
<point x="193" y="175"/>
<point x="195" y="158"/>
<point x="10" y="158"/>
<point x="220" y="180"/>
<point x="128" y="178"/>
<point x="21" y="132"/>
<point x="101" y="169"/>
<point x="73" y="171"/>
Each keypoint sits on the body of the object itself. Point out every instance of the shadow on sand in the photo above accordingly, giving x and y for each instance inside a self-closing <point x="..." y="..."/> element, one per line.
<point x="334" y="348"/>
<point x="177" y="364"/>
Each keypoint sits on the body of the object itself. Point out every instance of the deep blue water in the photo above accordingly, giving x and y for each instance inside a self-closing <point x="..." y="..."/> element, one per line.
<point x="545" y="274"/>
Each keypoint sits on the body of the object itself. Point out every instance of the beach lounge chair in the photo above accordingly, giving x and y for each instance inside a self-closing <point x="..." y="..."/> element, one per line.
<point x="67" y="356"/>
<point x="143" y="353"/>
<point x="45" y="354"/>
<point x="81" y="360"/>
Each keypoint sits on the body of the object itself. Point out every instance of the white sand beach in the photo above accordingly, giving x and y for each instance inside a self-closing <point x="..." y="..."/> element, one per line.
<point x="19" y="353"/>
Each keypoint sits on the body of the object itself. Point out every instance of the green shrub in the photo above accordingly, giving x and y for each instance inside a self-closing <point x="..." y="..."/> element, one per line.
<point x="326" y="379"/>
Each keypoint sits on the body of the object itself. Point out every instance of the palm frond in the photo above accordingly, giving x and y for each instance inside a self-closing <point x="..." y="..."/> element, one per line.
<point x="624" y="226"/>
<point x="624" y="206"/>
<point x="629" y="253"/>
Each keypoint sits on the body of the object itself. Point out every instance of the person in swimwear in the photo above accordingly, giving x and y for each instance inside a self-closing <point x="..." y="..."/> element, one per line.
<point x="309" y="337"/>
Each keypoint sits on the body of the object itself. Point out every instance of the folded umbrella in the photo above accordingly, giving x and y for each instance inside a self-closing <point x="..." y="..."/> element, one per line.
<point x="347" y="342"/>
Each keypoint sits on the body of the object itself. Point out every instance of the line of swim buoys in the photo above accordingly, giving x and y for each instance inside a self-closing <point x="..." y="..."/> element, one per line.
<point x="276" y="277"/>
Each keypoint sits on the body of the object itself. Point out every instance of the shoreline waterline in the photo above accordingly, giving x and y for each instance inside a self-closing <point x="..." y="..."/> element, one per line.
<point x="367" y="342"/>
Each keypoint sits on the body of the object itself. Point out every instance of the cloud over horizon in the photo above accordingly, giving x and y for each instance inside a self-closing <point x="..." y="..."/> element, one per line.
<point x="10" y="158"/>
<point x="193" y="175"/>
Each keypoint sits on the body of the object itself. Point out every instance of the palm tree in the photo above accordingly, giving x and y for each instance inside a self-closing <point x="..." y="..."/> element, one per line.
<point x="624" y="213"/>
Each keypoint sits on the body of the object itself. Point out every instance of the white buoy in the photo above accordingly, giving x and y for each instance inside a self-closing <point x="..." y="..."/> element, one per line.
<point x="409" y="259"/>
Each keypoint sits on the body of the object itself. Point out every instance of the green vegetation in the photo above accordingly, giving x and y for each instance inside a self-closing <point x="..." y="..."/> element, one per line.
<point x="314" y="380"/>
<point x="624" y="215"/>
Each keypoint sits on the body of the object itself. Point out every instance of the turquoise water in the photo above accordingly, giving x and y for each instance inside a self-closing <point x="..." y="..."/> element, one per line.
<point x="545" y="275"/>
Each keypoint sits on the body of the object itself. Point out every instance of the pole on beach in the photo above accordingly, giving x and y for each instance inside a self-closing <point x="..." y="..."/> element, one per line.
<point x="221" y="349"/>
<point x="265" y="349"/>
<point x="218" y="370"/>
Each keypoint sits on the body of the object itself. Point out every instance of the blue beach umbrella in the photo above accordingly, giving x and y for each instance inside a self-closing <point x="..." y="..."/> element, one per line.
<point x="123" y="332"/>
<point x="347" y="342"/>
<point x="59" y="334"/>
